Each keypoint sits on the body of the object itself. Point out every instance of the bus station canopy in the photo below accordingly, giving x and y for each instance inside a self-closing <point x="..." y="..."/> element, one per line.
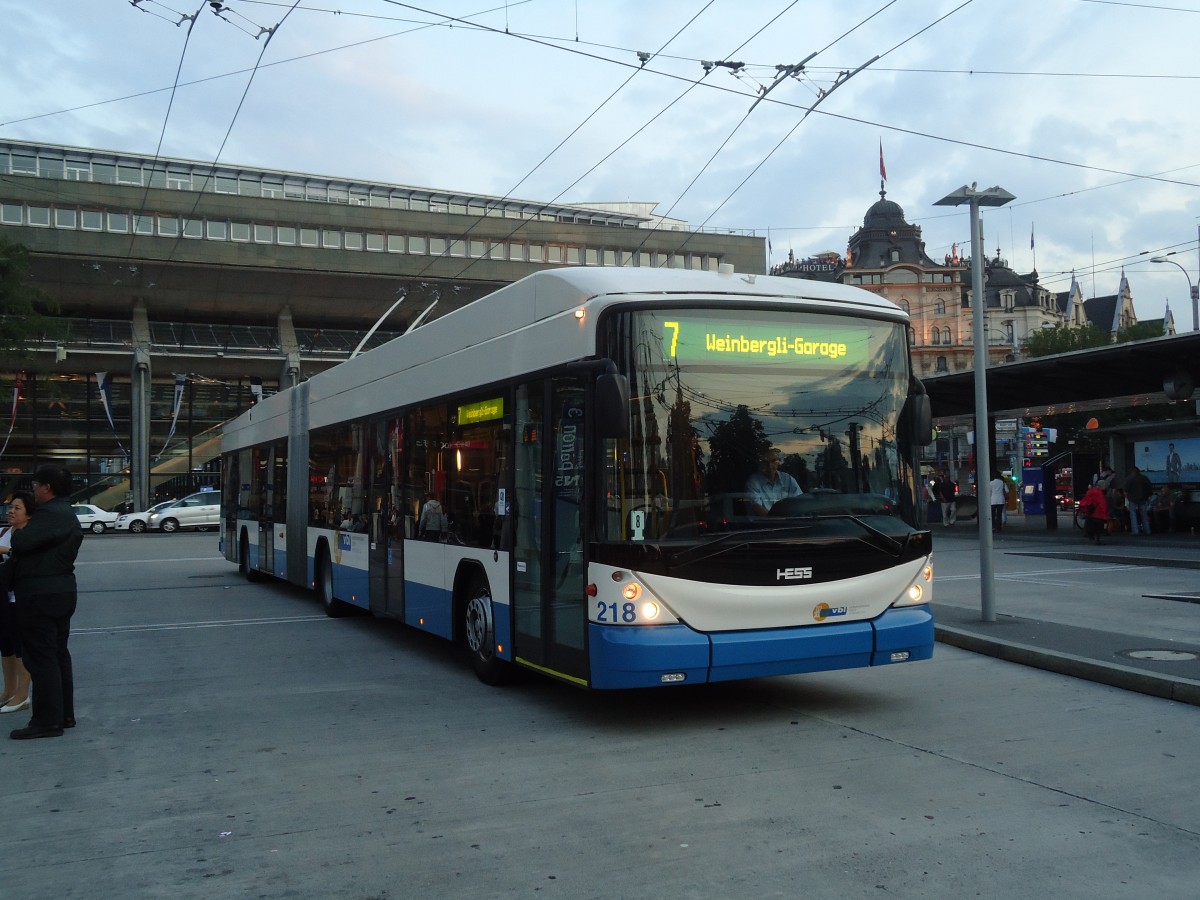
<point x="1126" y="374"/>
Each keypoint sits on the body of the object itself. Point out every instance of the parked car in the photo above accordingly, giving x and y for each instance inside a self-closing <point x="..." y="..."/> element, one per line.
<point x="200" y="511"/>
<point x="136" y="521"/>
<point x="94" y="518"/>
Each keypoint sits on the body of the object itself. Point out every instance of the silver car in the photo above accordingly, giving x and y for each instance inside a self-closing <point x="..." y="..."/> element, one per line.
<point x="200" y="511"/>
<point x="136" y="522"/>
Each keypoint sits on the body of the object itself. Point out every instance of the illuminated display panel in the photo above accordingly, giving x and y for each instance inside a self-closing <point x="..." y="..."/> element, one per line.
<point x="483" y="411"/>
<point x="695" y="340"/>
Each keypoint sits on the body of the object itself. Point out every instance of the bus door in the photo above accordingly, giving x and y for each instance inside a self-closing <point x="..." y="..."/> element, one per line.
<point x="230" y="493"/>
<point x="386" y="523"/>
<point x="549" y="603"/>
<point x="268" y="467"/>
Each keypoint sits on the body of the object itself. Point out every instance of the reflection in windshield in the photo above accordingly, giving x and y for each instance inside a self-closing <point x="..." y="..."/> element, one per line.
<point x="750" y="419"/>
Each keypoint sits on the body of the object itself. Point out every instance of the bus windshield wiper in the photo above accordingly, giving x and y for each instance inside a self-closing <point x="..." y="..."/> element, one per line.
<point x="736" y="539"/>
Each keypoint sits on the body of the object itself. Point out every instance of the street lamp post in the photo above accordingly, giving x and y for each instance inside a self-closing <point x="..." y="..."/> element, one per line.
<point x="993" y="196"/>
<point x="1193" y="290"/>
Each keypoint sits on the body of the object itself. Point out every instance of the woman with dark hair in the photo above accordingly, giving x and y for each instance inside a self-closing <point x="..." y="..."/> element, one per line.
<point x="16" y="693"/>
<point x="45" y="552"/>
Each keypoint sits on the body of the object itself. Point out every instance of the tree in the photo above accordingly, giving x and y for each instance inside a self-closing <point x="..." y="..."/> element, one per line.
<point x="1140" y="332"/>
<point x="1061" y="339"/>
<point x="734" y="450"/>
<point x="23" y="309"/>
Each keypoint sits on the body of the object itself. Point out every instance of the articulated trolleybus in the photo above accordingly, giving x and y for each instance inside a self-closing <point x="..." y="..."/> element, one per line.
<point x="618" y="477"/>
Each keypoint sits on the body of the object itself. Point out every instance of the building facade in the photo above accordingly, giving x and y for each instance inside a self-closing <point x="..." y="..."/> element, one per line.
<point x="887" y="256"/>
<point x="186" y="290"/>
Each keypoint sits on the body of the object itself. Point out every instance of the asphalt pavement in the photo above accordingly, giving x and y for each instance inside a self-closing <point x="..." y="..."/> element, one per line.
<point x="1147" y="656"/>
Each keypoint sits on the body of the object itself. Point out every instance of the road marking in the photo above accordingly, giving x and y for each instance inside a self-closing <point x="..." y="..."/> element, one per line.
<point x="176" y="626"/>
<point x="143" y="562"/>
<point x="1020" y="575"/>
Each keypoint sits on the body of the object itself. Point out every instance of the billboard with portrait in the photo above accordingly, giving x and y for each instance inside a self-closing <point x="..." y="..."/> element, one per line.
<point x="1174" y="461"/>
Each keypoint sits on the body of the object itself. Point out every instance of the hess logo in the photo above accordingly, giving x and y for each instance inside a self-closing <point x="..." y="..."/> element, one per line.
<point x="795" y="573"/>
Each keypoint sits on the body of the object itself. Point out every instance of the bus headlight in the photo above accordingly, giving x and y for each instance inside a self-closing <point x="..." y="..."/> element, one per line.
<point x="631" y="591"/>
<point x="650" y="610"/>
<point x="915" y="594"/>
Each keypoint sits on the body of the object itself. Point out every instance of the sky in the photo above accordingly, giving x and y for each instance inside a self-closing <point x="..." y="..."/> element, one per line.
<point x="1085" y="110"/>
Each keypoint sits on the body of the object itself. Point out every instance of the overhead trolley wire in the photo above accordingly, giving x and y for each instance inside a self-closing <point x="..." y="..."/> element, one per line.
<point x="465" y="235"/>
<point x="814" y="106"/>
<point x="191" y="20"/>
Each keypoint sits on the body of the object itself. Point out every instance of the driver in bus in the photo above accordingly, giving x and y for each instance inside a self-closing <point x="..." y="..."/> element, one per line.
<point x="769" y="485"/>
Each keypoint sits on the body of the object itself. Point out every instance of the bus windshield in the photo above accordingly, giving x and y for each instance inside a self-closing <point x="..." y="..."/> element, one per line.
<point x="759" y="420"/>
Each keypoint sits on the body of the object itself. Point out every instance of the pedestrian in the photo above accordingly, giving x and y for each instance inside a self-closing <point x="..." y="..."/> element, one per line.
<point x="1094" y="507"/>
<point x="946" y="491"/>
<point x="432" y="524"/>
<point x="1137" y="497"/>
<point x="999" y="497"/>
<point x="44" y="554"/>
<point x="1163" y="506"/>
<point x="16" y="694"/>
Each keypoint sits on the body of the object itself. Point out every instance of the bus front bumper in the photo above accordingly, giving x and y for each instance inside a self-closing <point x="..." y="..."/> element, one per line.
<point x="628" y="657"/>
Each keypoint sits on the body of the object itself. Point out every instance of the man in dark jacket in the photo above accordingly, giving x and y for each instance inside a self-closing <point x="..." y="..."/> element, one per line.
<point x="1138" y="490"/>
<point x="44" y="554"/>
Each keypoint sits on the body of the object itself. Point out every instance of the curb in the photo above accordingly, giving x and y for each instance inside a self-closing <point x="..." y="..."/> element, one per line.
<point x="1181" y="690"/>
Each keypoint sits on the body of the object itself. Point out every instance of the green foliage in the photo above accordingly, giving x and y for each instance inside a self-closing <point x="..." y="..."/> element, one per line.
<point x="1061" y="339"/>
<point x="22" y="307"/>
<point x="1140" y="332"/>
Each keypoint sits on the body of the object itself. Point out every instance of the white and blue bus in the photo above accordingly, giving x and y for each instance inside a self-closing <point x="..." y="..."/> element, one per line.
<point x="567" y="476"/>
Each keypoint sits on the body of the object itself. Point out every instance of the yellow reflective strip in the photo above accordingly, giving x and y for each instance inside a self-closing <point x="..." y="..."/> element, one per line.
<point x="582" y="682"/>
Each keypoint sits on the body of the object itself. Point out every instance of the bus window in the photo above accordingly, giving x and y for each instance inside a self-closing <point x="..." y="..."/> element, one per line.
<point x="337" y="497"/>
<point x="477" y="452"/>
<point x="428" y="428"/>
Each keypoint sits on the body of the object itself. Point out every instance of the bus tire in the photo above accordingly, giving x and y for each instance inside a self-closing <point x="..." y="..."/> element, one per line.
<point x="244" y="567"/>
<point x="479" y="634"/>
<point x="323" y="578"/>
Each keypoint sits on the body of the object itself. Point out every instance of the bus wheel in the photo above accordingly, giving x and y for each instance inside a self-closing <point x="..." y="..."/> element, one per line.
<point x="479" y="634"/>
<point x="333" y="607"/>
<point x="244" y="567"/>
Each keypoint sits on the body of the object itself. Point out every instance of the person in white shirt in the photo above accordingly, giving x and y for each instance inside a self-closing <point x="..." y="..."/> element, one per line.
<point x="769" y="485"/>
<point x="999" y="495"/>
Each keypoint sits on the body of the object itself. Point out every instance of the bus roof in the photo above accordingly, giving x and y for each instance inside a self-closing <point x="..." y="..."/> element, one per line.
<point x="601" y="281"/>
<point x="525" y="326"/>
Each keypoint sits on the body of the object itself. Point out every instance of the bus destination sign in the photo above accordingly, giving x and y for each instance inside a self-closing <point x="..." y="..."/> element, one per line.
<point x="483" y="411"/>
<point x="688" y="340"/>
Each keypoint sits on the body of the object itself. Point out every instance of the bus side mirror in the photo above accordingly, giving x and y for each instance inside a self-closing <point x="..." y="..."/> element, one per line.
<point x="922" y="419"/>
<point x="612" y="406"/>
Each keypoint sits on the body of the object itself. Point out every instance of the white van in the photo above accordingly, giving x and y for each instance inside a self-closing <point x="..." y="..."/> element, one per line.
<point x="200" y="511"/>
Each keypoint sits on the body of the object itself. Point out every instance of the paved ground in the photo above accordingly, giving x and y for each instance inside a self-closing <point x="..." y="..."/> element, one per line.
<point x="235" y="742"/>
<point x="1144" y="639"/>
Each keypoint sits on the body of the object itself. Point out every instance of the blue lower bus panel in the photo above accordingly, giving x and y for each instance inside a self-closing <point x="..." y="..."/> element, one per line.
<point x="675" y="654"/>
<point x="641" y="657"/>
<point x="905" y="630"/>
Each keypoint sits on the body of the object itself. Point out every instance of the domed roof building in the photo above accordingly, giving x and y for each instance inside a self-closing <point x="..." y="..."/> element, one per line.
<point x="886" y="238"/>
<point x="887" y="256"/>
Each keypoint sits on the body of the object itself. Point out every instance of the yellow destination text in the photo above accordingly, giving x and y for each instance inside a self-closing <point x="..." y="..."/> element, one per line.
<point x="774" y="346"/>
